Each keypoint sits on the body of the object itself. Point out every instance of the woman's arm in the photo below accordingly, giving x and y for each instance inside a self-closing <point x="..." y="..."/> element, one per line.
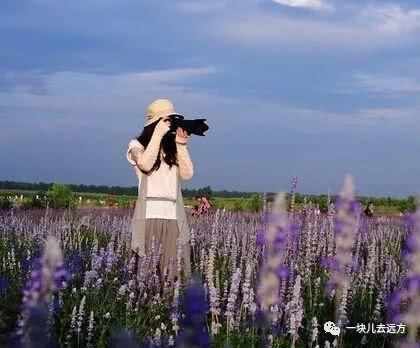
<point x="146" y="158"/>
<point x="186" y="168"/>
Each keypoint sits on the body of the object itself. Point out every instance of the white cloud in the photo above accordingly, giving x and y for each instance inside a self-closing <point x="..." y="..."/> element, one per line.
<point x="317" y="5"/>
<point x="392" y="19"/>
<point x="388" y="84"/>
<point x="268" y="29"/>
<point x="52" y="83"/>
<point x="391" y="114"/>
<point x="367" y="28"/>
<point x="245" y="22"/>
<point x="174" y="75"/>
<point x="315" y="120"/>
<point x="84" y="101"/>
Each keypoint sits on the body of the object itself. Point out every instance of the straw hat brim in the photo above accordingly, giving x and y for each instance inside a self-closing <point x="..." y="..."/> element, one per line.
<point x="153" y="120"/>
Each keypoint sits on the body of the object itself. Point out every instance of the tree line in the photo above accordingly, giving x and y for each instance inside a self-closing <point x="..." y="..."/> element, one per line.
<point x="116" y="190"/>
<point x="322" y="199"/>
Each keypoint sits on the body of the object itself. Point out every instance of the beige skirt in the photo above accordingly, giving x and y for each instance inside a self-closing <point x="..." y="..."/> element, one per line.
<point x="164" y="233"/>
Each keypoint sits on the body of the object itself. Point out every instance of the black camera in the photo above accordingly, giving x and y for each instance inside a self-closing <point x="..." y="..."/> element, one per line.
<point x="197" y="127"/>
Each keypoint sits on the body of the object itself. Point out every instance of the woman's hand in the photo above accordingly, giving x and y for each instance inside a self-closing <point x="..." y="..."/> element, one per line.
<point x="181" y="136"/>
<point x="163" y="126"/>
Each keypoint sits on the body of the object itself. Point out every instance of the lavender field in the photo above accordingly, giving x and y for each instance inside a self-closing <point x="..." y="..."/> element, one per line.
<point x="259" y="280"/>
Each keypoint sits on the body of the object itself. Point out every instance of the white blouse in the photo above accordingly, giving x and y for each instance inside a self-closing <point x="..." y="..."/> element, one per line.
<point x="162" y="188"/>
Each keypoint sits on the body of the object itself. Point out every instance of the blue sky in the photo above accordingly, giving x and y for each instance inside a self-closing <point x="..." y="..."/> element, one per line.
<point x="311" y="88"/>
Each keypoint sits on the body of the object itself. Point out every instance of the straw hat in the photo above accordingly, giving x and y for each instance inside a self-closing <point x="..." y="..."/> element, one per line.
<point x="158" y="109"/>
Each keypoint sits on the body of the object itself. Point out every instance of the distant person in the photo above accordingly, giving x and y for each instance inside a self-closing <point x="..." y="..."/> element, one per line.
<point x="369" y="210"/>
<point x="206" y="205"/>
<point x="200" y="204"/>
<point x="197" y="211"/>
<point x="160" y="158"/>
<point x="203" y="206"/>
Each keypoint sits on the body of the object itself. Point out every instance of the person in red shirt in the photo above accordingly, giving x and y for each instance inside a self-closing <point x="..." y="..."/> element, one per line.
<point x="205" y="205"/>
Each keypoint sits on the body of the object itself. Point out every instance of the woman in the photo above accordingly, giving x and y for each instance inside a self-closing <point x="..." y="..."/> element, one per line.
<point x="160" y="158"/>
<point x="206" y="205"/>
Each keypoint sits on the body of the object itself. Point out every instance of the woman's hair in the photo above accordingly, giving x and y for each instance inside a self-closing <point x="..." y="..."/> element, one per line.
<point x="167" y="144"/>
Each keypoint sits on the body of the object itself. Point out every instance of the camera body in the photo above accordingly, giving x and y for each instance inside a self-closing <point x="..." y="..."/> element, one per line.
<point x="196" y="127"/>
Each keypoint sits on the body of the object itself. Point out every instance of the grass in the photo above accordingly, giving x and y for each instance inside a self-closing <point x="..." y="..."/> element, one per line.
<point x="218" y="202"/>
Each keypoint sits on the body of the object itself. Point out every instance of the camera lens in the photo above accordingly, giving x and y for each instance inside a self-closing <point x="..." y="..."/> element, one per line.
<point x="174" y="124"/>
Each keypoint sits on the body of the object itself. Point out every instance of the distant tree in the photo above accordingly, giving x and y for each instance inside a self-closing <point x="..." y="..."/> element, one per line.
<point x="37" y="201"/>
<point x="205" y="191"/>
<point x="239" y="204"/>
<point x="299" y="198"/>
<point x="323" y="203"/>
<point x="60" y="196"/>
<point x="403" y="207"/>
<point x="411" y="203"/>
<point x="5" y="203"/>
<point x="255" y="203"/>
<point x="124" y="202"/>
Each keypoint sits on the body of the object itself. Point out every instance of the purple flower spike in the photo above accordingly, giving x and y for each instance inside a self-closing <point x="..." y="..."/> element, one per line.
<point x="331" y="263"/>
<point x="193" y="332"/>
<point x="344" y="235"/>
<point x="260" y="237"/>
<point x="45" y="280"/>
<point x="284" y="272"/>
<point x="410" y="293"/>
<point x="277" y="236"/>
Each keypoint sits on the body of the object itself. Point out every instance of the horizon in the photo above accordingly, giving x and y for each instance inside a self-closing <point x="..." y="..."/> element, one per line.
<point x="332" y="194"/>
<point x="313" y="89"/>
